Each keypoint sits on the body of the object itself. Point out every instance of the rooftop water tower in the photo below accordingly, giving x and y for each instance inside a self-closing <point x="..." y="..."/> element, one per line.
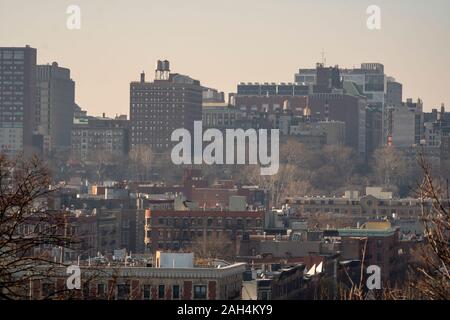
<point x="162" y="71"/>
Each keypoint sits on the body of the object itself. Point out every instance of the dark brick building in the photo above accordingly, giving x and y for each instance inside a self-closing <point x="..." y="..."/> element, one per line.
<point x="157" y="108"/>
<point x="178" y="229"/>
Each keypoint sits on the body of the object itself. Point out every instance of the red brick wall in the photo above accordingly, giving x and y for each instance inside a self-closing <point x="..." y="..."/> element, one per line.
<point x="154" y="293"/>
<point x="60" y="286"/>
<point x="37" y="289"/>
<point x="212" y="294"/>
<point x="187" y="290"/>
<point x="135" y="290"/>
<point x="169" y="293"/>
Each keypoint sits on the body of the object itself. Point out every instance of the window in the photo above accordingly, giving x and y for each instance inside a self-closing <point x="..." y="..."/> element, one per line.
<point x="199" y="292"/>
<point x="123" y="291"/>
<point x="176" y="292"/>
<point x="47" y="289"/>
<point x="86" y="291"/>
<point x="101" y="289"/>
<point x="146" y="292"/>
<point x="161" y="289"/>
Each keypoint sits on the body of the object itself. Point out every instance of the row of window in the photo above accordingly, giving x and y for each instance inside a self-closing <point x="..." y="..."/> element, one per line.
<point x="185" y="235"/>
<point x="123" y="291"/>
<point x="209" y="221"/>
<point x="357" y="211"/>
<point x="96" y="134"/>
<point x="10" y="54"/>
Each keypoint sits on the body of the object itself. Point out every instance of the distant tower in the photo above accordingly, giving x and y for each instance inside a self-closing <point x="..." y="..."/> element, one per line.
<point x="162" y="71"/>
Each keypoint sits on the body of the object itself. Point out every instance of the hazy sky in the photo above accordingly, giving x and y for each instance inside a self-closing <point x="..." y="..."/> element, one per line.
<point x="222" y="43"/>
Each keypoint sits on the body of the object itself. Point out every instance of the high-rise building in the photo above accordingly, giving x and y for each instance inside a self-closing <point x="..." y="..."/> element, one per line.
<point x="394" y="95"/>
<point x="326" y="102"/>
<point x="17" y="99"/>
<point x="405" y="124"/>
<point x="374" y="119"/>
<point x="157" y="108"/>
<point x="55" y="106"/>
<point x="380" y="90"/>
<point x="437" y="131"/>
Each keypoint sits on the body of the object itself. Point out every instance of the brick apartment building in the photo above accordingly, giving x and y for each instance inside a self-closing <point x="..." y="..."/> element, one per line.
<point x="92" y="137"/>
<point x="108" y="230"/>
<point x="144" y="283"/>
<point x="285" y="283"/>
<point x="178" y="229"/>
<point x="375" y="243"/>
<point x="374" y="203"/>
<point x="157" y="108"/>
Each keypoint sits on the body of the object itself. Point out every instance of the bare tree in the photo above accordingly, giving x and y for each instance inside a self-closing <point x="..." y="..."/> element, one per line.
<point x="213" y="247"/>
<point x="28" y="231"/>
<point x="433" y="275"/>
<point x="388" y="165"/>
<point x="279" y="185"/>
<point x="141" y="160"/>
<point x="100" y="161"/>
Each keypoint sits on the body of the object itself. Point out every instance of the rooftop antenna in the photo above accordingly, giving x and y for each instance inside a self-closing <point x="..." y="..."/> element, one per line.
<point x="324" y="59"/>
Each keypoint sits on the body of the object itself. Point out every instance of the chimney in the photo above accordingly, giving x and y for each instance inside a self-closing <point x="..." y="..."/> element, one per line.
<point x="142" y="77"/>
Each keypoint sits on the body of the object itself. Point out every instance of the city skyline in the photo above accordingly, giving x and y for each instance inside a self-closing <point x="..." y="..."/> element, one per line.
<point x="222" y="44"/>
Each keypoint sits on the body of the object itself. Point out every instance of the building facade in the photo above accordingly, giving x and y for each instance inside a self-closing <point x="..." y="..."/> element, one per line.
<point x="380" y="90"/>
<point x="375" y="243"/>
<point x="220" y="116"/>
<point x="143" y="283"/>
<point x="405" y="124"/>
<point x="92" y="137"/>
<point x="55" y="106"/>
<point x="179" y="229"/>
<point x="374" y="203"/>
<point x="17" y="99"/>
<point x="157" y="108"/>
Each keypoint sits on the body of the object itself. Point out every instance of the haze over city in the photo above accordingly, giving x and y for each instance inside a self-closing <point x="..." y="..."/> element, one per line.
<point x="227" y="156"/>
<point x="222" y="43"/>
